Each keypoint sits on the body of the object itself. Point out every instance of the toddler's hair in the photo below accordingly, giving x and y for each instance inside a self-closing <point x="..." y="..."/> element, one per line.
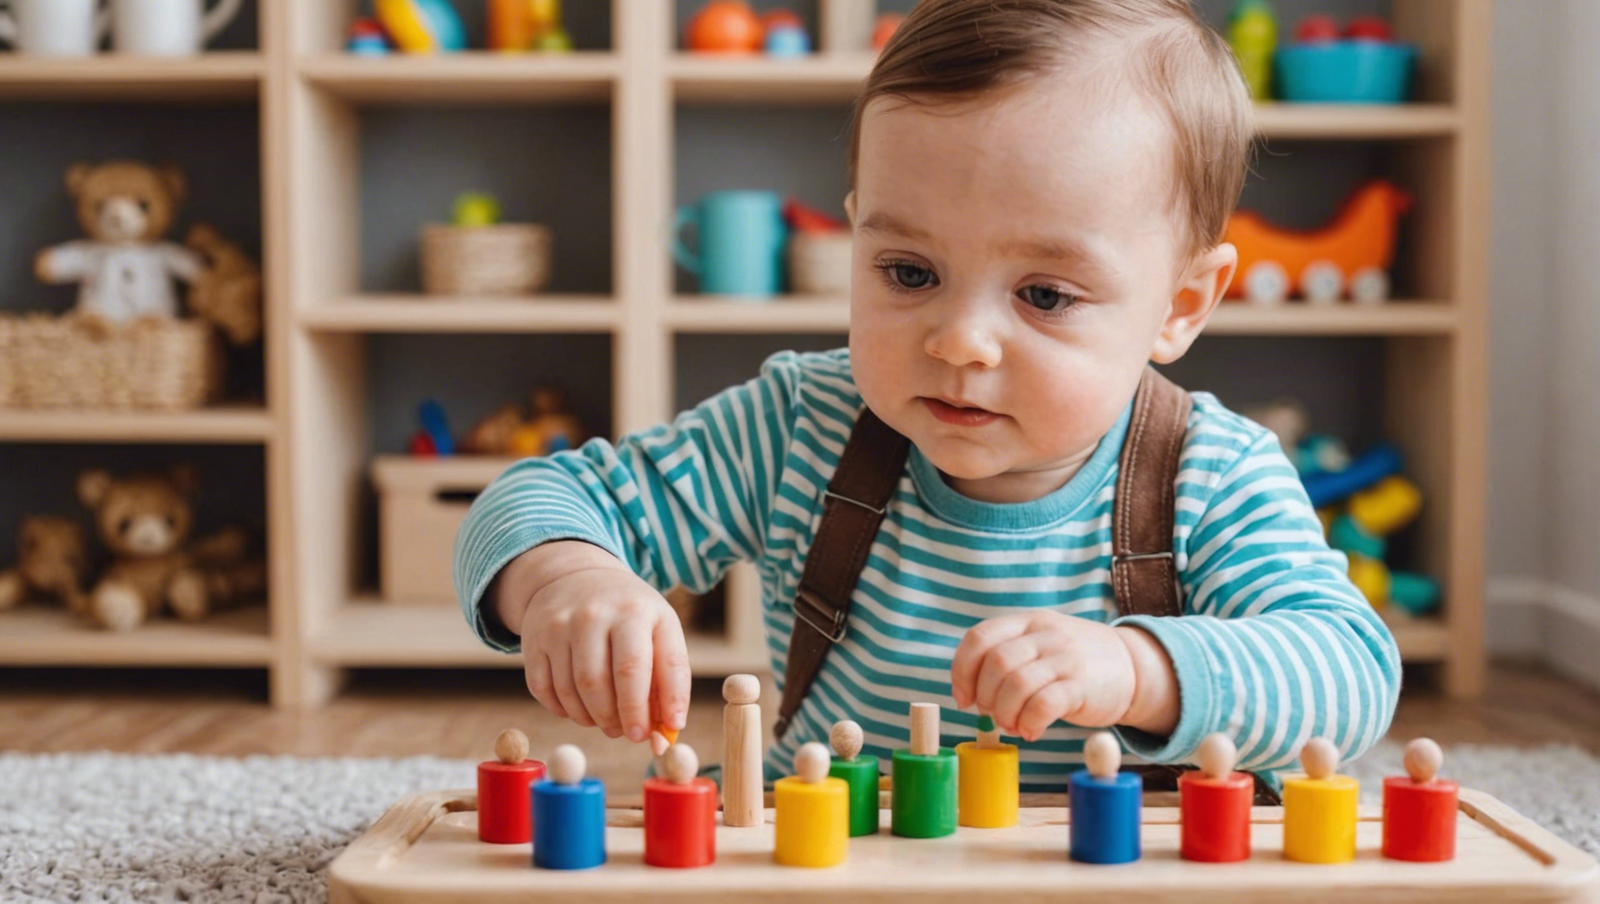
<point x="955" y="49"/>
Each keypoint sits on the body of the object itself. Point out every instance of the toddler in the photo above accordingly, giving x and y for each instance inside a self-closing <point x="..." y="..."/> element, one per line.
<point x="1038" y="194"/>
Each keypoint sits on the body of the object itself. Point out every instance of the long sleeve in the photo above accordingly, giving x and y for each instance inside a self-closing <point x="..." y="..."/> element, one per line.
<point x="1277" y="646"/>
<point x="679" y="503"/>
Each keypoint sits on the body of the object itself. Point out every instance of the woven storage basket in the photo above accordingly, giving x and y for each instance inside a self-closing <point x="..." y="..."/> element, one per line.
<point x="56" y="362"/>
<point x="820" y="264"/>
<point x="503" y="259"/>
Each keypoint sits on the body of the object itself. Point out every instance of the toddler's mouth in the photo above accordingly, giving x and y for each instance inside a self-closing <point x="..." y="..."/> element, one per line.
<point x="959" y="415"/>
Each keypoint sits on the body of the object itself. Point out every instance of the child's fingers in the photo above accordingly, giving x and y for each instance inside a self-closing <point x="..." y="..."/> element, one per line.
<point x="540" y="684"/>
<point x="1015" y="690"/>
<point x="591" y="672"/>
<point x="998" y="664"/>
<point x="631" y="663"/>
<point x="566" y="688"/>
<point x="1056" y="700"/>
<point x="970" y="654"/>
<point x="671" y="672"/>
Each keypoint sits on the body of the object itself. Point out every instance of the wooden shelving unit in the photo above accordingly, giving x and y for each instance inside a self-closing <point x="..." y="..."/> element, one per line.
<point x="326" y="322"/>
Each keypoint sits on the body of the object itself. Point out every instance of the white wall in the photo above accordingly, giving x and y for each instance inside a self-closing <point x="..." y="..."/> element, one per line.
<point x="1544" y="500"/>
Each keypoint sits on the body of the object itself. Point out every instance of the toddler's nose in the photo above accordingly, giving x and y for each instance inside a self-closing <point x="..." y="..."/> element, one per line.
<point x="965" y="335"/>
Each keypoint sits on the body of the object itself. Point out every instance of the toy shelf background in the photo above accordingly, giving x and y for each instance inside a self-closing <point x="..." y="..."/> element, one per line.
<point x="328" y="165"/>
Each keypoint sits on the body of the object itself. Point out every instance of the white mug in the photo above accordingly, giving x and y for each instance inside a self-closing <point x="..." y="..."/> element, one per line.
<point x="52" y="27"/>
<point x="167" y="27"/>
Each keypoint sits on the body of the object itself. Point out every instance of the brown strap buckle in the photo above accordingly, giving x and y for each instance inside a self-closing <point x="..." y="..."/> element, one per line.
<point x="805" y="600"/>
<point x="1141" y="556"/>
<point x="829" y="494"/>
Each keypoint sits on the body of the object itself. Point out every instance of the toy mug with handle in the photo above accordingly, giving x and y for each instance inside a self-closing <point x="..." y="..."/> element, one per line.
<point x="741" y="237"/>
<point x="168" y="27"/>
<point x="53" y="27"/>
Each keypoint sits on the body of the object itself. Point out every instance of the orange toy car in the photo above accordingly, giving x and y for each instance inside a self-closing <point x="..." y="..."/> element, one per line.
<point x="1350" y="256"/>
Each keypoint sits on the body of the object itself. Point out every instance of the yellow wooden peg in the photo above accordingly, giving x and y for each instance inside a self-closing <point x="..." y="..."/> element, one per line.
<point x="988" y="776"/>
<point x="1319" y="810"/>
<point x="812" y="820"/>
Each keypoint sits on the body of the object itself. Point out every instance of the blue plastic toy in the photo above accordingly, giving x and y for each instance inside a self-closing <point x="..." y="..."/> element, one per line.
<point x="1326" y="488"/>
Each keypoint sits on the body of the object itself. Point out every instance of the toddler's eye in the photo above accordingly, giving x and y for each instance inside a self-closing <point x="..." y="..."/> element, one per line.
<point x="1047" y="299"/>
<point x="906" y="275"/>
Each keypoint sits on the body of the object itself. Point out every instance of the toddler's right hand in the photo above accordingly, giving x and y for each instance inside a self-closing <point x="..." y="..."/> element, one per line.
<point x="601" y="646"/>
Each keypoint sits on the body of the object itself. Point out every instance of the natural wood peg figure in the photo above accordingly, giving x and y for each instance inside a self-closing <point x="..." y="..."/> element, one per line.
<point x="679" y="764"/>
<point x="925" y="729"/>
<point x="811" y="762"/>
<point x="511" y="747"/>
<point x="1319" y="758"/>
<point x="568" y="765"/>
<point x="1423" y="759"/>
<point x="846" y="739"/>
<point x="1216" y="756"/>
<point x="742" y="800"/>
<point x="1102" y="755"/>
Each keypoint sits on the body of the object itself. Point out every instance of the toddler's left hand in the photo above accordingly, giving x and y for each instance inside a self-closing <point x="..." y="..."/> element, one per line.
<point x="1027" y="671"/>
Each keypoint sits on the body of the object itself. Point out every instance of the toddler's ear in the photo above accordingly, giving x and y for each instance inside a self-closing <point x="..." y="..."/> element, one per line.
<point x="850" y="206"/>
<point x="1196" y="297"/>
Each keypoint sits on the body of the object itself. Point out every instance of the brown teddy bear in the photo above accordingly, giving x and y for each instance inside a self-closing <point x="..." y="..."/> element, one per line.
<point x="228" y="290"/>
<point x="145" y="519"/>
<point x="125" y="268"/>
<point x="51" y="562"/>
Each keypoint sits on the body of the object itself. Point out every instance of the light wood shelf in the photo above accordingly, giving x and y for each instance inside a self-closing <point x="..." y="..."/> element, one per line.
<point x="464" y="77"/>
<point x="241" y="424"/>
<point x="36" y="636"/>
<point x="424" y="313"/>
<point x="316" y="435"/>
<point x="222" y="75"/>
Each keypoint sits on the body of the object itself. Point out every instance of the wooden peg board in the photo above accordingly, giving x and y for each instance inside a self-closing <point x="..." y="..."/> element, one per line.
<point x="426" y="850"/>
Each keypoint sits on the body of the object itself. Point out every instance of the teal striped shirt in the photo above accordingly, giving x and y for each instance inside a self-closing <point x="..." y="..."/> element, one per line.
<point x="1275" y="646"/>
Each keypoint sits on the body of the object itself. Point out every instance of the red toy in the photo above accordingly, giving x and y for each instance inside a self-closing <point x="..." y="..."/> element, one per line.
<point x="1317" y="28"/>
<point x="1419" y="809"/>
<point x="725" y="26"/>
<point x="1214" y="805"/>
<point x="1369" y="28"/>
<point x="505" y="811"/>
<point x="680" y="813"/>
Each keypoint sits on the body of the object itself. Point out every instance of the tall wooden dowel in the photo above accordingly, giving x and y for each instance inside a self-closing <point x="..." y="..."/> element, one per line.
<point x="742" y="803"/>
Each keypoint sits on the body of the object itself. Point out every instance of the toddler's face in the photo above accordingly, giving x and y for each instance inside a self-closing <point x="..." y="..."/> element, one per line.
<point x="1016" y="264"/>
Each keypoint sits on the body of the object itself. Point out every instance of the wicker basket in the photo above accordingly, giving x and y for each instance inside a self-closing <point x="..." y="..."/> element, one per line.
<point x="59" y="362"/>
<point x="503" y="259"/>
<point x="819" y="264"/>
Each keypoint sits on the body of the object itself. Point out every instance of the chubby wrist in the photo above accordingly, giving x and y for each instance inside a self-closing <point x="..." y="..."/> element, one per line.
<point x="523" y="577"/>
<point x="1155" y="705"/>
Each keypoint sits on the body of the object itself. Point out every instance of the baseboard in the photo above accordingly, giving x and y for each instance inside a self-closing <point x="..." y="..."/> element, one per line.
<point x="1529" y="617"/>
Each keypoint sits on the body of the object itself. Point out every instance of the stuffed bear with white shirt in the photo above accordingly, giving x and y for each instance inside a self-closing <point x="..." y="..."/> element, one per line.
<point x="126" y="269"/>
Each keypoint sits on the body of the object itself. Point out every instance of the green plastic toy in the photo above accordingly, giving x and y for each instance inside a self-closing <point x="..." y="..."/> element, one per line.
<point x="1253" y="35"/>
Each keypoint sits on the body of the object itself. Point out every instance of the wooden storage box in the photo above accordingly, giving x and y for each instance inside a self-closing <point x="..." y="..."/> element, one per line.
<point x="421" y="504"/>
<point x="49" y="361"/>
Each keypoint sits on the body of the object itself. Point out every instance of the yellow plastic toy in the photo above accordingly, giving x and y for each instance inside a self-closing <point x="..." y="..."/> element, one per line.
<point x="988" y="778"/>
<point x="1349" y="256"/>
<point x="812" y="812"/>
<point x="1319" y="810"/>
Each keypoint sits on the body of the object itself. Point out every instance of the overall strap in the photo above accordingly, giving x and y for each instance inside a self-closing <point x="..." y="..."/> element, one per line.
<point x="853" y="508"/>
<point x="1144" y="577"/>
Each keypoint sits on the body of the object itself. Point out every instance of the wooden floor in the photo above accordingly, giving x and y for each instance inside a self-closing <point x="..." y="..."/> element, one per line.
<point x="458" y="714"/>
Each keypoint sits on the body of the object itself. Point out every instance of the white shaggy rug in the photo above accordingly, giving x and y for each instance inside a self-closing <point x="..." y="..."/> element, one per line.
<point x="103" y="827"/>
